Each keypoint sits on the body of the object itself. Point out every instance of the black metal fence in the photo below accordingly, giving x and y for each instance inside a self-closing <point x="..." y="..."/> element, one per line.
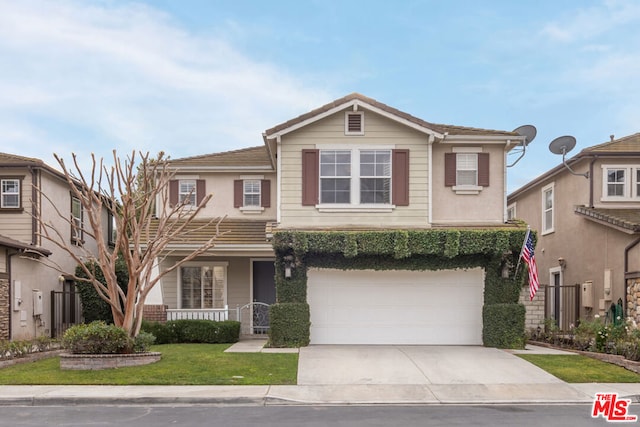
<point x="66" y="311"/>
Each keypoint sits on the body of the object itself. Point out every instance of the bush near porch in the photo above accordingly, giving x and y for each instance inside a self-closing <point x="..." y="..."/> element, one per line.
<point x="193" y="331"/>
<point x="494" y="249"/>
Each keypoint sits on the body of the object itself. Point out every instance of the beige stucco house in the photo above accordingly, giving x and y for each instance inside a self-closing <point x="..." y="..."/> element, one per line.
<point x="587" y="217"/>
<point x="35" y="299"/>
<point x="354" y="164"/>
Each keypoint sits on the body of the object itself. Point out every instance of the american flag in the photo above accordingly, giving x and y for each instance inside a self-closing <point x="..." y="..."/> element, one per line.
<point x="530" y="260"/>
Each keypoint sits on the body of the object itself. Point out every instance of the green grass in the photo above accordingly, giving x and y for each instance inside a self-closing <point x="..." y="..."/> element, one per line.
<point x="581" y="369"/>
<point x="181" y="364"/>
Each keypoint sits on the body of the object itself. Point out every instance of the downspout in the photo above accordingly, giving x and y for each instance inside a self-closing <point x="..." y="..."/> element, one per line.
<point x="593" y="160"/>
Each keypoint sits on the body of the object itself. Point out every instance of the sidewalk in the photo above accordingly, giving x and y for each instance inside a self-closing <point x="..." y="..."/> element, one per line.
<point x="336" y="394"/>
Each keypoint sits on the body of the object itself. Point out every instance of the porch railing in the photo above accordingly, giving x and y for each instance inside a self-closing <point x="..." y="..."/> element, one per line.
<point x="217" y="314"/>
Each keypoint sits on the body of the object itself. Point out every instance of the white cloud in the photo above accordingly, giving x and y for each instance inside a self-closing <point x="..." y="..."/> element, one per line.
<point x="123" y="75"/>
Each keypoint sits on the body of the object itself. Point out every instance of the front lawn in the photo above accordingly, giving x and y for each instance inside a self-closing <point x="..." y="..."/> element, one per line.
<point x="181" y="364"/>
<point x="581" y="369"/>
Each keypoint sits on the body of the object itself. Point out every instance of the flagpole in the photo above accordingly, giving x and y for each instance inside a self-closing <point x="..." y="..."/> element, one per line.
<point x="526" y="237"/>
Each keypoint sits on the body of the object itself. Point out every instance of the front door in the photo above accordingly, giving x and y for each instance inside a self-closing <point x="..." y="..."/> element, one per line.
<point x="264" y="294"/>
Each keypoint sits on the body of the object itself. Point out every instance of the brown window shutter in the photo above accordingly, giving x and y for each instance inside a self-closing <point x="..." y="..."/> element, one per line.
<point x="265" y="193"/>
<point x="483" y="169"/>
<point x="400" y="177"/>
<point x="173" y="192"/>
<point x="201" y="190"/>
<point x="449" y="169"/>
<point x="310" y="177"/>
<point x="238" y="193"/>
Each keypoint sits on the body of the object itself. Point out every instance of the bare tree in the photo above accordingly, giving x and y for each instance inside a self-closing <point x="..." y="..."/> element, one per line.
<point x="129" y="191"/>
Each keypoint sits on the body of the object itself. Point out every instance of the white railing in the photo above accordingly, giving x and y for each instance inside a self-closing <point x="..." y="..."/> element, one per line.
<point x="217" y="314"/>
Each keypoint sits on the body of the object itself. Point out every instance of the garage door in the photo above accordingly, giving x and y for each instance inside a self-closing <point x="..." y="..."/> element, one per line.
<point x="396" y="307"/>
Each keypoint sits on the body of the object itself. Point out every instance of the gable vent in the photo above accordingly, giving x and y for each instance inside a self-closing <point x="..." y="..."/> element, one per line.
<point x="354" y="123"/>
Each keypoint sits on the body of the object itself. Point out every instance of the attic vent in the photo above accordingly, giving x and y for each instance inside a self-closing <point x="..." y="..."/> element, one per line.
<point x="354" y="123"/>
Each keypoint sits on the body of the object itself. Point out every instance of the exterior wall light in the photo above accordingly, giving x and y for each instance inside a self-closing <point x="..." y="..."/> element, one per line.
<point x="289" y="264"/>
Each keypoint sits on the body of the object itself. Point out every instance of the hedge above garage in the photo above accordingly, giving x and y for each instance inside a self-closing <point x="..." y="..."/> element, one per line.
<point x="494" y="249"/>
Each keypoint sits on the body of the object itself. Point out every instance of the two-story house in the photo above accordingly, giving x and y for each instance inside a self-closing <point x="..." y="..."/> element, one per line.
<point x="36" y="299"/>
<point x="587" y="215"/>
<point x="384" y="228"/>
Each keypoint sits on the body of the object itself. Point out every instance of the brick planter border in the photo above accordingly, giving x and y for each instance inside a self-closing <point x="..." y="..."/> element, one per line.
<point x="89" y="362"/>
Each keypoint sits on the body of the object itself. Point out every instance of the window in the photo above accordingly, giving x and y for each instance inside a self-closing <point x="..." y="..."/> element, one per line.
<point x="354" y="123"/>
<point x="203" y="286"/>
<point x="375" y="176"/>
<point x="187" y="194"/>
<point x="335" y="176"/>
<point x="511" y="212"/>
<point x="10" y="189"/>
<point x="252" y="192"/>
<point x="620" y="182"/>
<point x="76" y="220"/>
<point x="112" y="231"/>
<point x="359" y="178"/>
<point x="467" y="169"/>
<point x="547" y="209"/>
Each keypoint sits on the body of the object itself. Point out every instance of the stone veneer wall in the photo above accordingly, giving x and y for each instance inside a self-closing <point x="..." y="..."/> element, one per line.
<point x="534" y="315"/>
<point x="5" y="309"/>
<point x="155" y="313"/>
<point x="633" y="299"/>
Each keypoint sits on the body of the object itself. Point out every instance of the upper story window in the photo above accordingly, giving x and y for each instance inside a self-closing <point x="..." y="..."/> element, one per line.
<point x="375" y="176"/>
<point x="354" y="123"/>
<point x="466" y="170"/>
<point x="511" y="212"/>
<point x="365" y="181"/>
<point x="335" y="176"/>
<point x="620" y="182"/>
<point x="187" y="194"/>
<point x="76" y="220"/>
<point x="10" y="191"/>
<point x="187" y="191"/>
<point x="358" y="178"/>
<point x="112" y="231"/>
<point x="548" y="203"/>
<point x="252" y="193"/>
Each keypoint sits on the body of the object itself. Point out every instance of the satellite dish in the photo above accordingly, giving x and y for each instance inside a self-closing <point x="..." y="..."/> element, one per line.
<point x="529" y="133"/>
<point x="562" y="144"/>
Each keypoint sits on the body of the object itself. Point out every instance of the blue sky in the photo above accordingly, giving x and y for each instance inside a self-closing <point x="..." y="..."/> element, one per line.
<point x="192" y="77"/>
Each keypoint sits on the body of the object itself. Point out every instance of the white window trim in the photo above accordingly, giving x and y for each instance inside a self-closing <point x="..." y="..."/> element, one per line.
<point x="553" y="209"/>
<point x="630" y="183"/>
<point x="194" y="193"/>
<point x="76" y="222"/>
<point x="514" y="207"/>
<point x="355" y="206"/>
<point x="346" y="122"/>
<point x="202" y="264"/>
<point x="2" y="193"/>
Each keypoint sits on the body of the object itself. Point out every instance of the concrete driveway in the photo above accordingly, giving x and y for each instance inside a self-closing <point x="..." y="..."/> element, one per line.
<point x="417" y="365"/>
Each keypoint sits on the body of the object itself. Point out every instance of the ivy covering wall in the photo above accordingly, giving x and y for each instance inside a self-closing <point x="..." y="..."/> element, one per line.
<point x="492" y="249"/>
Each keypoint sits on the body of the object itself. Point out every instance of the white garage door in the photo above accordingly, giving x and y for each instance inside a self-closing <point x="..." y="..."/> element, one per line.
<point x="396" y="307"/>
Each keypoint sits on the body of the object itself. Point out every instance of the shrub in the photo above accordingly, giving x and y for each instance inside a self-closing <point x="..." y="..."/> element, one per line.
<point x="97" y="338"/>
<point x="143" y="342"/>
<point x="93" y="307"/>
<point x="503" y="325"/>
<point x="194" y="331"/>
<point x="289" y="325"/>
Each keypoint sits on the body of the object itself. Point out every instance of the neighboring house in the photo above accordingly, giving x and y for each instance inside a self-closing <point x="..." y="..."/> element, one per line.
<point x="336" y="193"/>
<point x="588" y="226"/>
<point x="35" y="299"/>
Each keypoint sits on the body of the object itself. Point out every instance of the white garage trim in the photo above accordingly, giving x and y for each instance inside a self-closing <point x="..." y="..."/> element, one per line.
<point x="396" y="307"/>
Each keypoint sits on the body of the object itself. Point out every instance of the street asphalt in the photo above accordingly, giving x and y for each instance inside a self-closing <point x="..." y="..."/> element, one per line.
<point x="357" y="375"/>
